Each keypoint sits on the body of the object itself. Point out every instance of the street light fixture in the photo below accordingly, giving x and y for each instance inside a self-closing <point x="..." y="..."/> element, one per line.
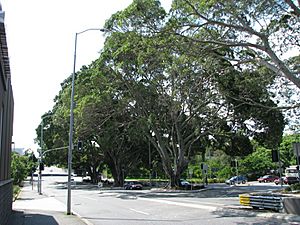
<point x="72" y="122"/>
<point x="14" y="144"/>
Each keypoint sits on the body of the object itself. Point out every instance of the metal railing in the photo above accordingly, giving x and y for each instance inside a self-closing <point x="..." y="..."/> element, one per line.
<point x="262" y="202"/>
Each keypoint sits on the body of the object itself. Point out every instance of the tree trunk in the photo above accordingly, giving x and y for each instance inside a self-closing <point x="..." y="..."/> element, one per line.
<point x="117" y="174"/>
<point x="174" y="174"/>
<point x="93" y="174"/>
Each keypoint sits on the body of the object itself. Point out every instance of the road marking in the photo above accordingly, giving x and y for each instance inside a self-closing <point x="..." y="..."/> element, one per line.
<point x="139" y="211"/>
<point x="210" y="208"/>
<point x="206" y="203"/>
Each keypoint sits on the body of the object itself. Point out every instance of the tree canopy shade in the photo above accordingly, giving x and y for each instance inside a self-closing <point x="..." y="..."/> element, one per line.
<point x="177" y="91"/>
<point x="151" y="84"/>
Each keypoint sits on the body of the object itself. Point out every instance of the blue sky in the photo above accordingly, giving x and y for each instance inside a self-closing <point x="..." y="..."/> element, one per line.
<point x="40" y="36"/>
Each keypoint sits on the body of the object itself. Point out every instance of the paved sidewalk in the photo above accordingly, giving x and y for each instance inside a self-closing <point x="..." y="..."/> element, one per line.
<point x="33" y="209"/>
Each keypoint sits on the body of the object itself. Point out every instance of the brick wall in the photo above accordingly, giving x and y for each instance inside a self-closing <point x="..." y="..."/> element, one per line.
<point x="6" y="127"/>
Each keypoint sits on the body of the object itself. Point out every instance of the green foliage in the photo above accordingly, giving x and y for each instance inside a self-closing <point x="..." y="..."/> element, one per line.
<point x="22" y="166"/>
<point x="293" y="187"/>
<point x="16" y="191"/>
<point x="258" y="163"/>
<point x="166" y="80"/>
<point x="247" y="92"/>
<point x="225" y="172"/>
<point x="288" y="189"/>
<point x="142" y="15"/>
<point x="287" y="156"/>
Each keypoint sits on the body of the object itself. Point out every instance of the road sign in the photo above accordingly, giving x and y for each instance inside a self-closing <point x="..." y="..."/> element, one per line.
<point x="204" y="168"/>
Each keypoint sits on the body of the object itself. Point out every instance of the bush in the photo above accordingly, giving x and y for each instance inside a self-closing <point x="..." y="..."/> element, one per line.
<point x="216" y="180"/>
<point x="16" y="191"/>
<point x="21" y="166"/>
<point x="288" y="189"/>
<point x="295" y="187"/>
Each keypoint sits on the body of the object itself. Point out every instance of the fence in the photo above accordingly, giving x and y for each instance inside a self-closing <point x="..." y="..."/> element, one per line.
<point x="262" y="202"/>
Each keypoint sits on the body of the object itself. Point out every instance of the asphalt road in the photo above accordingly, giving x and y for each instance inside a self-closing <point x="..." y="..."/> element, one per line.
<point x="218" y="204"/>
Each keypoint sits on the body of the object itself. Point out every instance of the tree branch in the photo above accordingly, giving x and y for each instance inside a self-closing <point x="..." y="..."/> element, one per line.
<point x="223" y="43"/>
<point x="219" y="23"/>
<point x="294" y="7"/>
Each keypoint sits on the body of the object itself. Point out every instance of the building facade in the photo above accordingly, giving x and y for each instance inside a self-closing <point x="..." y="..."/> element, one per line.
<point x="6" y="127"/>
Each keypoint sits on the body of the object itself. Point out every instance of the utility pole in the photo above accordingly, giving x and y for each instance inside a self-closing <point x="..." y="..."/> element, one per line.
<point x="71" y="146"/>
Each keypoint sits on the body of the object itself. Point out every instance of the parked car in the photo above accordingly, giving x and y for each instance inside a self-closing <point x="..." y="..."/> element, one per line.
<point x="291" y="180"/>
<point x="133" y="185"/>
<point x="185" y="184"/>
<point x="267" y="178"/>
<point x="236" y="180"/>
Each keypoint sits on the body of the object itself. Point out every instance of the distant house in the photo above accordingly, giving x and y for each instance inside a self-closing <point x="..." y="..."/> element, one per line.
<point x="20" y="151"/>
<point x="6" y="124"/>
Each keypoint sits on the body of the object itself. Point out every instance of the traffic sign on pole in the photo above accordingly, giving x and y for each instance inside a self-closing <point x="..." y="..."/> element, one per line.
<point x="296" y="147"/>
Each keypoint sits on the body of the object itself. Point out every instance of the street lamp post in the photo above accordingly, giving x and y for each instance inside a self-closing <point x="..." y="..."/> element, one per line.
<point x="150" y="170"/>
<point x="40" y="160"/>
<point x="72" y="122"/>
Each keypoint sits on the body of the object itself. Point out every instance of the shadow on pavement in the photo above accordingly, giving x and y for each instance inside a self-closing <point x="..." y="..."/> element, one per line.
<point x="227" y="212"/>
<point x="77" y="186"/>
<point x="120" y="220"/>
<point x="21" y="218"/>
<point x="204" y="193"/>
<point x="248" y="213"/>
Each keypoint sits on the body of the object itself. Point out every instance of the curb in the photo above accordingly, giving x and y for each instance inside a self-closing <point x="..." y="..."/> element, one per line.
<point x="81" y="218"/>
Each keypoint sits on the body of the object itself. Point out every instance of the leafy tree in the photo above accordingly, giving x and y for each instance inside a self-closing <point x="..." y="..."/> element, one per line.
<point x="287" y="156"/>
<point x="166" y="90"/>
<point x="55" y="136"/>
<point x="257" y="32"/>
<point x="253" y="109"/>
<point x="258" y="163"/>
<point x="170" y="89"/>
<point x="219" y="165"/>
<point x="102" y="121"/>
<point x="175" y="90"/>
<point x="22" y="166"/>
<point x="104" y="116"/>
<point x="254" y="34"/>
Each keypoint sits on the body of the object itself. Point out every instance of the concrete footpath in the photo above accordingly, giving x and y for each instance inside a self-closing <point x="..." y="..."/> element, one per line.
<point x="33" y="209"/>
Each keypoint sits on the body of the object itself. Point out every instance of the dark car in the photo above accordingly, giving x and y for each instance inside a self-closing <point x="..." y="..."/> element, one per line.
<point x="267" y="178"/>
<point x="133" y="185"/>
<point x="236" y="180"/>
<point x="291" y="180"/>
<point x="185" y="184"/>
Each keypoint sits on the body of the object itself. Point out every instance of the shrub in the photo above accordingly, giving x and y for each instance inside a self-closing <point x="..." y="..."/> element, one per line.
<point x="16" y="191"/>
<point x="21" y="166"/>
<point x="288" y="189"/>
<point x="295" y="187"/>
<point x="216" y="180"/>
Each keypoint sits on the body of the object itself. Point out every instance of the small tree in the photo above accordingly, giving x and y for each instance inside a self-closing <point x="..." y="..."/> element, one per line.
<point x="22" y="166"/>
